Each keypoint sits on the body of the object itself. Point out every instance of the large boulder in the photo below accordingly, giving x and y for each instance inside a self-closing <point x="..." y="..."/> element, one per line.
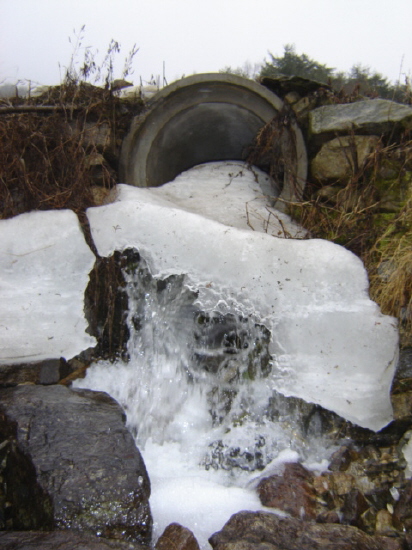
<point x="371" y="116"/>
<point x="263" y="530"/>
<point x="342" y="157"/>
<point x="72" y="464"/>
<point x="63" y="540"/>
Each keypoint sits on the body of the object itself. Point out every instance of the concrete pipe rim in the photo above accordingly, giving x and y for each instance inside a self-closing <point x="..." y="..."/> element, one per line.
<point x="244" y="106"/>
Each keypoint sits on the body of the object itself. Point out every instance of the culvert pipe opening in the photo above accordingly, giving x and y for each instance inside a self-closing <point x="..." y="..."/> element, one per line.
<point x="215" y="117"/>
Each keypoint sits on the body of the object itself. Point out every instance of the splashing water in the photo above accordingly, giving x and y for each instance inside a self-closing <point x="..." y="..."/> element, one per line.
<point x="199" y="401"/>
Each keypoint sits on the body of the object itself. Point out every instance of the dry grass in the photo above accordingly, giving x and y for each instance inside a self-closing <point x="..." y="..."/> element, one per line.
<point x="42" y="166"/>
<point x="389" y="263"/>
<point x="51" y="146"/>
<point x="48" y="156"/>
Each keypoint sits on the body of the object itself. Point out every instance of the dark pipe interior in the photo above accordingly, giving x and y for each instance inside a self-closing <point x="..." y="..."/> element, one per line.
<point x="202" y="133"/>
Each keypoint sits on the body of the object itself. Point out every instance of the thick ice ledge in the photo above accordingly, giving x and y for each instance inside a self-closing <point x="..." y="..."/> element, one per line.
<point x="331" y="344"/>
<point x="44" y="269"/>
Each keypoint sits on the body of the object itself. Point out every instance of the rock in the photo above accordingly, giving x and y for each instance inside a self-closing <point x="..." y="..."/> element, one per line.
<point x="293" y="492"/>
<point x="341" y="459"/>
<point x="96" y="135"/>
<point x="341" y="483"/>
<point x="384" y="525"/>
<point x="63" y="540"/>
<point x="372" y="116"/>
<point x="72" y="464"/>
<point x="405" y="446"/>
<point x="283" y="85"/>
<point x="330" y="516"/>
<point x="402" y="514"/>
<point x="402" y="405"/>
<point x="354" y="505"/>
<point x="100" y="195"/>
<point x="302" y="108"/>
<point x="402" y="381"/>
<point x="265" y="531"/>
<point x="177" y="537"/>
<point x="44" y="372"/>
<point x="119" y="84"/>
<point x="342" y="157"/>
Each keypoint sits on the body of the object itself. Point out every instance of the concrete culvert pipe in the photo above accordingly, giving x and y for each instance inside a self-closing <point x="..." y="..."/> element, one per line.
<point x="204" y="118"/>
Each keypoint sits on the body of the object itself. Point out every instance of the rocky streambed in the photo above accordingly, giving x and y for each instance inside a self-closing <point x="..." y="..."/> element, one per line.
<point x="72" y="477"/>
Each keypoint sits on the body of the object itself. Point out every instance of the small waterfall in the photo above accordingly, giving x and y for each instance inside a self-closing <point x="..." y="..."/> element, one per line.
<point x="199" y="400"/>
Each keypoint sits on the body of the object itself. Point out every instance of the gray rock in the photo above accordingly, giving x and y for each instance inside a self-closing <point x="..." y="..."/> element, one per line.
<point x="44" y="372"/>
<point x="283" y="85"/>
<point x="371" y="116"/>
<point x="342" y="157"/>
<point x="72" y="464"/>
<point x="63" y="540"/>
<point x="265" y="531"/>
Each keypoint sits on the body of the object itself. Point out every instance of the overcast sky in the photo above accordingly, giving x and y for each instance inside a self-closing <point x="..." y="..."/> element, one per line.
<point x="195" y="36"/>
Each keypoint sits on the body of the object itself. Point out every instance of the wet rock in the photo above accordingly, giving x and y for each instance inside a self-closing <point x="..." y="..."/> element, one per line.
<point x="401" y="392"/>
<point x="354" y="506"/>
<point x="341" y="459"/>
<point x="405" y="447"/>
<point x="384" y="523"/>
<point x="63" y="540"/>
<point x="45" y="372"/>
<point x="177" y="537"/>
<point x="72" y="464"/>
<point x="402" y="514"/>
<point x="292" y="492"/>
<point x="262" y="530"/>
<point x="330" y="516"/>
<point x="341" y="483"/>
<point x="371" y="116"/>
<point x="402" y="405"/>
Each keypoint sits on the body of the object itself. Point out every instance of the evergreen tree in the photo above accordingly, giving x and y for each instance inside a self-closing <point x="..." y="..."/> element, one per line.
<point x="293" y="64"/>
<point x="369" y="83"/>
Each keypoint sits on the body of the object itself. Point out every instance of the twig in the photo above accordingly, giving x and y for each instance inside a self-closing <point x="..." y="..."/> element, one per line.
<point x="247" y="218"/>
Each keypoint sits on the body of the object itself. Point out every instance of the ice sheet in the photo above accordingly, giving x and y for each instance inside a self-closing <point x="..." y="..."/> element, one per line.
<point x="44" y="270"/>
<point x="331" y="344"/>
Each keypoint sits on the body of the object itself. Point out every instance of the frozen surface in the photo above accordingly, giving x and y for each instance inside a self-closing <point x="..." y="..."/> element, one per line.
<point x="330" y="343"/>
<point x="231" y="193"/>
<point x="44" y="269"/>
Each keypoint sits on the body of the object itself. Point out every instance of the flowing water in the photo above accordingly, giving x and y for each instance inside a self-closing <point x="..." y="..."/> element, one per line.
<point x="199" y="400"/>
